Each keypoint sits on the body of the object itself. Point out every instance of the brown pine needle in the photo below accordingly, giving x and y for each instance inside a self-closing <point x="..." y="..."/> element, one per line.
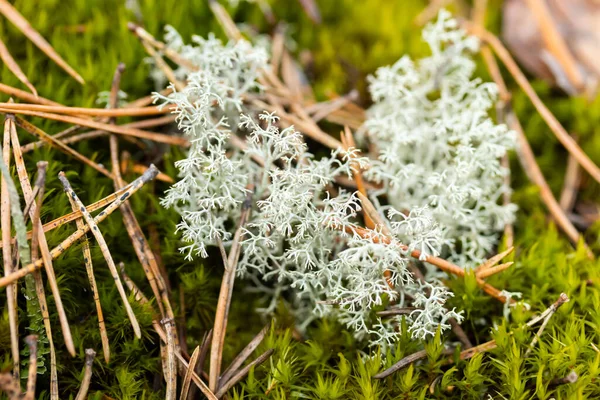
<point x="34" y="130"/>
<point x="32" y="342"/>
<point x="139" y="296"/>
<point x="171" y="366"/>
<point x="555" y="43"/>
<point x="187" y="379"/>
<point x="147" y="123"/>
<point x="492" y="261"/>
<point x="568" y="195"/>
<point x="93" y="227"/>
<point x="138" y="240"/>
<point x="442" y="264"/>
<point x="239" y="375"/>
<point x="46" y="259"/>
<point x="486" y="273"/>
<point x="93" y="112"/>
<point x="145" y="36"/>
<point x="559" y="131"/>
<point x="122" y="130"/>
<point x="409" y="359"/>
<point x="225" y="293"/>
<point x="243" y="356"/>
<point x="14" y="67"/>
<point x="89" y="268"/>
<point x="23" y="95"/>
<point x="87" y="375"/>
<point x="38" y="192"/>
<point x="60" y="221"/>
<point x="545" y="317"/>
<point x="75" y="236"/>
<point x="23" y="25"/>
<point x="11" y="290"/>
<point x="163" y="66"/>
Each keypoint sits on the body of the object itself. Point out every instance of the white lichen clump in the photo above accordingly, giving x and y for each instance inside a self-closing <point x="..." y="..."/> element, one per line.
<point x="300" y="243"/>
<point x="437" y="144"/>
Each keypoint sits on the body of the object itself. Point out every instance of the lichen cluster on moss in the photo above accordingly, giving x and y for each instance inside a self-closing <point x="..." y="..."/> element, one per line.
<point x="355" y="38"/>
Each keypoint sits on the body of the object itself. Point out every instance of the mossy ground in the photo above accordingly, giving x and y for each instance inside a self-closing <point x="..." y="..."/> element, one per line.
<point x="355" y="38"/>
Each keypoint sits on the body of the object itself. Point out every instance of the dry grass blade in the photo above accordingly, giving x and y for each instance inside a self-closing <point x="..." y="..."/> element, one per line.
<point x="38" y="192"/>
<point x="225" y="20"/>
<point x="171" y="366"/>
<point x="93" y="112"/>
<point x="89" y="268"/>
<point x="187" y="379"/>
<point x="32" y="342"/>
<point x="559" y="131"/>
<point x="11" y="291"/>
<point x="23" y="95"/>
<point x="122" y="130"/>
<point x="14" y="67"/>
<point x="243" y="372"/>
<point x="20" y="22"/>
<point x="225" y="293"/>
<point x="87" y="375"/>
<point x="46" y="259"/>
<point x="34" y="130"/>
<point x="243" y="356"/>
<point x="93" y="227"/>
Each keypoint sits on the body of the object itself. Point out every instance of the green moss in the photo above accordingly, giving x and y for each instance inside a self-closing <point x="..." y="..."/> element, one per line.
<point x="355" y="38"/>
